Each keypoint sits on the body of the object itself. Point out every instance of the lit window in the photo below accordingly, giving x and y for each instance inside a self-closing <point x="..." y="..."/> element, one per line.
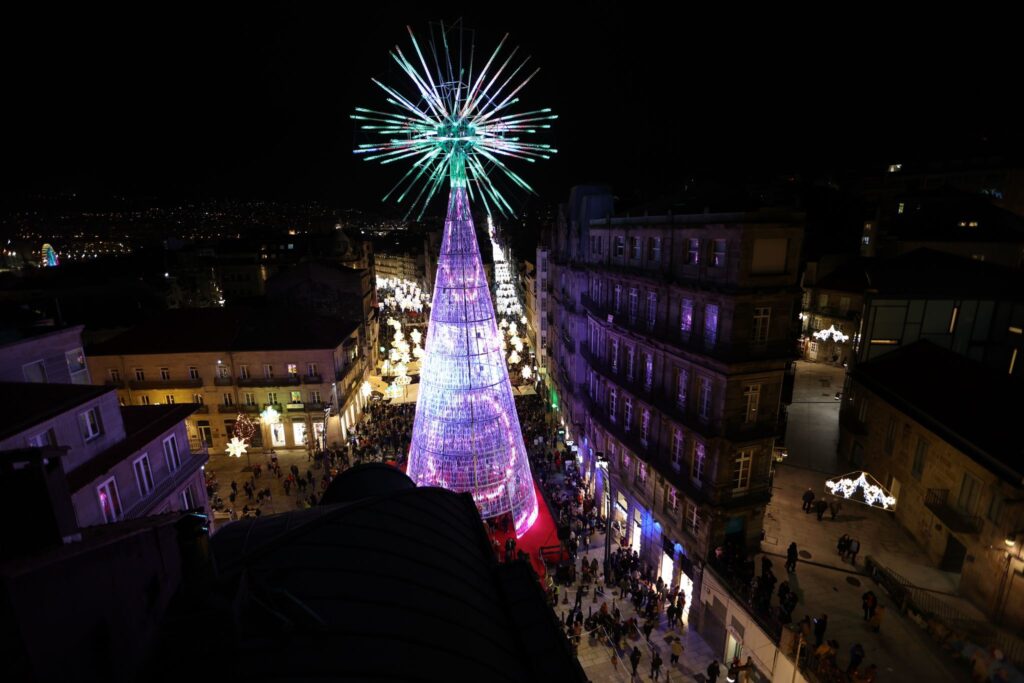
<point x="630" y="356"/>
<point x="682" y="385"/>
<point x="752" y="394"/>
<point x="741" y="471"/>
<point x="620" y="245"/>
<point x="705" y="398"/>
<point x="652" y="309"/>
<point x="648" y="372"/>
<point x="693" y="251"/>
<point x="188" y="497"/>
<point x="899" y="209"/>
<point x="697" y="463"/>
<point x="718" y="255"/>
<point x="110" y="502"/>
<point x="165" y="374"/>
<point x="613" y="353"/>
<point x="169" y="399"/>
<point x="677" y="449"/>
<point x="686" y="318"/>
<point x="628" y="413"/>
<point x="90" y="424"/>
<point x="762" y="319"/>
<point x="193" y="372"/>
<point x="634" y="305"/>
<point x="618" y="299"/>
<point x="645" y="426"/>
<point x="140" y="375"/>
<point x="268" y="371"/>
<point x="692" y="519"/>
<point x="295" y="397"/>
<point x="634" y="248"/>
<point x="895" y="168"/>
<point x="613" y="404"/>
<point x="293" y="370"/>
<point x="249" y="398"/>
<point x="143" y="400"/>
<point x="710" y="325"/>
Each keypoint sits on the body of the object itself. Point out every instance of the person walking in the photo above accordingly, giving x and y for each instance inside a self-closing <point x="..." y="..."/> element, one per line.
<point x="853" y="550"/>
<point x="856" y="657"/>
<point x="834" y="506"/>
<point x="820" y="507"/>
<point x="634" y="659"/>
<point x="791" y="555"/>
<point x="820" y="624"/>
<point x="675" y="651"/>
<point x="842" y="545"/>
<point x="876" y="619"/>
<point x="655" y="666"/>
<point x="713" y="671"/>
<point x="868" y="603"/>
<point x="808" y="499"/>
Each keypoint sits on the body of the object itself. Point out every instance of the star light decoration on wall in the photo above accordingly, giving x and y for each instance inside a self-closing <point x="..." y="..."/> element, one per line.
<point x="873" y="493"/>
<point x="455" y="122"/>
<point x="236" y="447"/>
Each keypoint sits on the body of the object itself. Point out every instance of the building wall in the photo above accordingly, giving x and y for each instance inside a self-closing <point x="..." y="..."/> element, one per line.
<point x="890" y="441"/>
<point x="166" y="495"/>
<point x="60" y="353"/>
<point x="224" y="394"/>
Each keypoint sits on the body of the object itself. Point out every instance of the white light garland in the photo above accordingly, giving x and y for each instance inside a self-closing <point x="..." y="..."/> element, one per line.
<point x="873" y="492"/>
<point x="832" y="332"/>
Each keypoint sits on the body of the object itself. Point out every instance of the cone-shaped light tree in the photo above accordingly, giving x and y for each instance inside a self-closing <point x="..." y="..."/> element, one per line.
<point x="458" y="128"/>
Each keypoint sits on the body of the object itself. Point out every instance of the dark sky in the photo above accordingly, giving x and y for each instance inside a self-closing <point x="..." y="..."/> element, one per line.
<point x="190" y="102"/>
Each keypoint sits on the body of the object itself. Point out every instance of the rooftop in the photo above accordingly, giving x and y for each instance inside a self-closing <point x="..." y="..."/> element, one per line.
<point x="197" y="330"/>
<point x="974" y="408"/>
<point x="25" y="404"/>
<point x="142" y="424"/>
<point x="926" y="273"/>
<point x="949" y="216"/>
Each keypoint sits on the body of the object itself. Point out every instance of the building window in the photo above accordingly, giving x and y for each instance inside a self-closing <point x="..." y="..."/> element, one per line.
<point x="630" y="358"/>
<point x="140" y="375"/>
<point x="90" y="424"/>
<point x="718" y="254"/>
<point x="197" y="398"/>
<point x="229" y="400"/>
<point x="143" y="475"/>
<point x="295" y="397"/>
<point x="682" y="386"/>
<point x="115" y="376"/>
<point x="188" y="498"/>
<point x="995" y="508"/>
<point x="627" y="413"/>
<point x="293" y="370"/>
<point x="314" y="397"/>
<point x="652" y="309"/>
<point x="249" y="398"/>
<point x="613" y="404"/>
<point x="645" y="426"/>
<point x="165" y="374"/>
<point x="970" y="492"/>
<point x="225" y="373"/>
<point x="693" y="251"/>
<point x="654" y="250"/>
<point x="171" y="455"/>
<point x="762" y="318"/>
<point x="268" y="371"/>
<point x="634" y="305"/>
<point x="34" y="372"/>
<point x="672" y="500"/>
<point x="741" y="471"/>
<point x="697" y="463"/>
<point x="243" y="372"/>
<point x="692" y="519"/>
<point x="169" y="399"/>
<point x="613" y="353"/>
<point x="617" y="307"/>
<point x="143" y="400"/>
<point x="620" y="245"/>
<point x="705" y="398"/>
<point x="193" y="372"/>
<point x="844" y="304"/>
<point x="76" y="361"/>
<point x="677" y="449"/>
<point x="641" y="472"/>
<point x="648" y="372"/>
<point x="890" y="436"/>
<point x="710" y="325"/>
<point x="686" y="318"/>
<point x="752" y="394"/>
<point x="272" y="397"/>
<point x="47" y="438"/>
<point x="920" y="454"/>
<point x="312" y="370"/>
<point x="634" y="248"/>
<point x="110" y="501"/>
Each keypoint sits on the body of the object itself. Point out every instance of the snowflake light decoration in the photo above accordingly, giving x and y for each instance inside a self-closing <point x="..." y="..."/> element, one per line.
<point x="236" y="447"/>
<point x="459" y="127"/>
<point x="872" y="492"/>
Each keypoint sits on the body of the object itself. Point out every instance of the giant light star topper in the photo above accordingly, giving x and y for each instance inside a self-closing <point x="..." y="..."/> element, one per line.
<point x="457" y="126"/>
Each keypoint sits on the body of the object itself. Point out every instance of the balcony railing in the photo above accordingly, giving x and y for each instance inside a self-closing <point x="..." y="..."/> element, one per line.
<point x="158" y="496"/>
<point x="312" y="379"/>
<point x="183" y="383"/>
<point x="227" y="409"/>
<point x="119" y="383"/>
<point x="202" y="408"/>
<point x="955" y="519"/>
<point x="286" y="381"/>
<point x="223" y="381"/>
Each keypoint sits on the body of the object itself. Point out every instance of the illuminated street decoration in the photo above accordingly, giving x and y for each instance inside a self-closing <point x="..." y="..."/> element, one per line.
<point x="270" y="416"/>
<point x="236" y="447"/>
<point x="871" y="492"/>
<point x="466" y="434"/>
<point x="832" y="332"/>
<point x="244" y="428"/>
<point x="48" y="256"/>
<point x="366" y="389"/>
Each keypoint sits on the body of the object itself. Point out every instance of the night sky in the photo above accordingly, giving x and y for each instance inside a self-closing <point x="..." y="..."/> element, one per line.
<point x="256" y="105"/>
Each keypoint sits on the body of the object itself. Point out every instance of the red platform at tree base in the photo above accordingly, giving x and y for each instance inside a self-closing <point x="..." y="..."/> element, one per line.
<point x="543" y="534"/>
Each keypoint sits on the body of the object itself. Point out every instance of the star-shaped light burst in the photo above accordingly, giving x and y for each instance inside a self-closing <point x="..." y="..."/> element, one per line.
<point x="237" y="447"/>
<point x="459" y="126"/>
<point x="270" y="415"/>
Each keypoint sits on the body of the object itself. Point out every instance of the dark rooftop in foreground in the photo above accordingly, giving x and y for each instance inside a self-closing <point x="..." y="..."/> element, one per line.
<point x="24" y="404"/>
<point x="390" y="582"/>
<point x="975" y="408"/>
<point x="926" y="273"/>
<point x="196" y="330"/>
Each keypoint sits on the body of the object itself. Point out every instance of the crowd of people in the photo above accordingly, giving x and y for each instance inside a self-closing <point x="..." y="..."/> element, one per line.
<point x="384" y="433"/>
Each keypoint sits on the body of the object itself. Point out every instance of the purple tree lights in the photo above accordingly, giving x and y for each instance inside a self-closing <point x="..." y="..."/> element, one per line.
<point x="466" y="435"/>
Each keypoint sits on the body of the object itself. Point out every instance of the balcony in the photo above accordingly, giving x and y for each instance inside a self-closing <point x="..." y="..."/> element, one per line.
<point x="119" y="383"/>
<point x="202" y="409"/>
<point x="229" y="409"/>
<point x="184" y="383"/>
<point x="295" y="407"/>
<point x="223" y="381"/>
<point x="956" y="520"/>
<point x="312" y="379"/>
<point x="288" y="381"/>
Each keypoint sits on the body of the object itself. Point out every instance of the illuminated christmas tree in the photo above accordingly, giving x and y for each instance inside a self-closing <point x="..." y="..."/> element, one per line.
<point x="458" y="128"/>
